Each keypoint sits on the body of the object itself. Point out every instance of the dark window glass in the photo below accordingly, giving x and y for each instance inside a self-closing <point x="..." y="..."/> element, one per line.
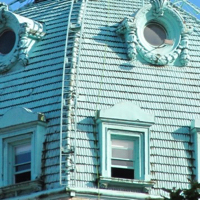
<point x="7" y="41"/>
<point x="154" y="34"/>
<point x="122" y="173"/>
<point x="23" y="157"/>
<point x="23" y="167"/>
<point x="26" y="176"/>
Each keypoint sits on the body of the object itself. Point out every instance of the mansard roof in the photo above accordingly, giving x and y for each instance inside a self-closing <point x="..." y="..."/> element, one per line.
<point x="37" y="86"/>
<point x="105" y="76"/>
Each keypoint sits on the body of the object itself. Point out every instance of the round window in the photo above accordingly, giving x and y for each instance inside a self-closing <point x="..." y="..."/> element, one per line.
<point x="154" y="34"/>
<point x="7" y="41"/>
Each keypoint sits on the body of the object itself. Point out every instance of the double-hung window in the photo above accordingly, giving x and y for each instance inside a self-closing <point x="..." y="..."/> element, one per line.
<point x="17" y="159"/>
<point x="22" y="162"/>
<point x="124" y="156"/>
<point x="124" y="133"/>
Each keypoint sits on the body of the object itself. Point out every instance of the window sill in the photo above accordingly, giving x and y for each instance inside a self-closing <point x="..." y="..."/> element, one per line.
<point x="20" y="189"/>
<point x="106" y="182"/>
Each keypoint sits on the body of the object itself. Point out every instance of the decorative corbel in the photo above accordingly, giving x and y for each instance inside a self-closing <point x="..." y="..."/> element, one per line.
<point x="103" y="185"/>
<point x="128" y="28"/>
<point x="185" y="57"/>
<point x="3" y="8"/>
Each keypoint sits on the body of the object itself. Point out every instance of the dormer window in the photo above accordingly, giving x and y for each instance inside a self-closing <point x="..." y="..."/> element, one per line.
<point x="124" y="146"/>
<point x="7" y="41"/>
<point x="21" y="146"/>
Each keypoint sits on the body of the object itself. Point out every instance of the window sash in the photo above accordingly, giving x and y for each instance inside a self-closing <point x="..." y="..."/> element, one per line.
<point x="27" y="168"/>
<point x="16" y="165"/>
<point x="122" y="167"/>
<point x="21" y="149"/>
<point x="21" y="172"/>
<point x="135" y="154"/>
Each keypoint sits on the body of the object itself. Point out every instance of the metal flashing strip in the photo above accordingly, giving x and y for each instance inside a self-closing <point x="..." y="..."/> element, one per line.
<point x="110" y="194"/>
<point x="87" y="192"/>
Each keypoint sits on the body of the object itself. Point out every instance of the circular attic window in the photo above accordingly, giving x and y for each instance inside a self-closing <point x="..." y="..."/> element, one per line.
<point x="7" y="41"/>
<point x="154" y="34"/>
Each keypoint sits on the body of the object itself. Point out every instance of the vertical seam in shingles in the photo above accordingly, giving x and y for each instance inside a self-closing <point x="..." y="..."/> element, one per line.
<point x="80" y="21"/>
<point x="65" y="104"/>
<point x="98" y="97"/>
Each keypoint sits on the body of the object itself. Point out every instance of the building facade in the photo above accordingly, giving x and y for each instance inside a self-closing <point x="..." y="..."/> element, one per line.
<point x="99" y="99"/>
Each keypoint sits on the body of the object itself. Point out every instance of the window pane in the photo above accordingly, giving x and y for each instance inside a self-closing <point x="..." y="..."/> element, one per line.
<point x="122" y="153"/>
<point x="23" y="148"/>
<point x="26" y="176"/>
<point x="154" y="34"/>
<point x="122" y="173"/>
<point x="122" y="143"/>
<point x="22" y="167"/>
<point x="23" y="153"/>
<point x="122" y="163"/>
<point x="7" y="41"/>
<point x="22" y="158"/>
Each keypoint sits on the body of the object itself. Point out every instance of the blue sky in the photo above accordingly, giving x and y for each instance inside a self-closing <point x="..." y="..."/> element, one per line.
<point x="17" y="5"/>
<point x="196" y="2"/>
<point x="189" y="9"/>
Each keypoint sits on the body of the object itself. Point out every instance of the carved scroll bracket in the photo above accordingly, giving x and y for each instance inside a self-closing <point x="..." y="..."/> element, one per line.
<point x="27" y="33"/>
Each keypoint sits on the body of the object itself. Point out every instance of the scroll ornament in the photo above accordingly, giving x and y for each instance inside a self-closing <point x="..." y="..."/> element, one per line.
<point x="129" y="29"/>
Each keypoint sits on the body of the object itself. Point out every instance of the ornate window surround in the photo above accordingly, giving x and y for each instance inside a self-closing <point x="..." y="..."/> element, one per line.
<point x="124" y="119"/>
<point x="27" y="32"/>
<point x="160" y="12"/>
